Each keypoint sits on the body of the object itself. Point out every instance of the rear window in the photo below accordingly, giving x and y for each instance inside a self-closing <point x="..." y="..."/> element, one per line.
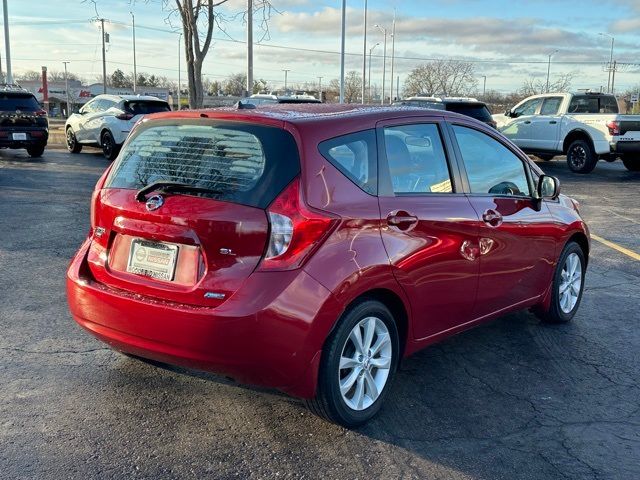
<point x="10" y="102"/>
<point x="242" y="163"/>
<point x="478" y="111"/>
<point x="145" y="107"/>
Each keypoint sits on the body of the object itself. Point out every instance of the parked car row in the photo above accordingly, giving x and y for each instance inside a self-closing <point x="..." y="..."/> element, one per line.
<point x="310" y="248"/>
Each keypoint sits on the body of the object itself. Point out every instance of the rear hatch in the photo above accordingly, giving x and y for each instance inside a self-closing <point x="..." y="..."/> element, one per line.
<point x="134" y="110"/>
<point x="196" y="243"/>
<point x="21" y="111"/>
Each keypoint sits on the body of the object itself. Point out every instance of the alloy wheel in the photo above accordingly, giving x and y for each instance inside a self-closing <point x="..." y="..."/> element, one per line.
<point x="578" y="156"/>
<point x="570" y="283"/>
<point x="365" y="363"/>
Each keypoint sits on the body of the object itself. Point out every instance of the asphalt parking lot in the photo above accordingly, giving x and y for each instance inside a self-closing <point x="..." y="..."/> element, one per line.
<point x="514" y="399"/>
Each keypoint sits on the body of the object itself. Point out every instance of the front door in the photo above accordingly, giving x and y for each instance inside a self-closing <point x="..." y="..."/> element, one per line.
<point x="516" y="250"/>
<point x="519" y="129"/>
<point x="429" y="227"/>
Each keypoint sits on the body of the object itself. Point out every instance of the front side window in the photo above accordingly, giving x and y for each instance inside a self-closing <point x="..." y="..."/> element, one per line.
<point x="416" y="158"/>
<point x="527" y="108"/>
<point x="551" y="106"/>
<point x="491" y="167"/>
<point x="355" y="156"/>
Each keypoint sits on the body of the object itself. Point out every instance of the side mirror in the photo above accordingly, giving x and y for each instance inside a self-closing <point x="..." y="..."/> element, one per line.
<point x="548" y="187"/>
<point x="507" y="113"/>
<point x="82" y="111"/>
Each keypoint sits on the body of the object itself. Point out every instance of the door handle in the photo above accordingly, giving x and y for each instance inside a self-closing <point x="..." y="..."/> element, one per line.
<point x="492" y="218"/>
<point x="553" y="122"/>
<point x="402" y="220"/>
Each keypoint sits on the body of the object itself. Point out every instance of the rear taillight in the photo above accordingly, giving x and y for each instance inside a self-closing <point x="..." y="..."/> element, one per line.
<point x="295" y="230"/>
<point x="124" y="116"/>
<point x="41" y="113"/>
<point x="614" y="127"/>
<point x="95" y="195"/>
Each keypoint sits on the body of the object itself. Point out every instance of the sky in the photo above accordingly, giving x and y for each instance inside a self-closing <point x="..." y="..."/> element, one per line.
<point x="508" y="41"/>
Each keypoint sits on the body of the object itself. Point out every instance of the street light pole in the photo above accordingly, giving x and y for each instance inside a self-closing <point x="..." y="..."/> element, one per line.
<point x="549" y="68"/>
<point x="393" y="54"/>
<point x="320" y="88"/>
<point x="104" y="59"/>
<point x="66" y="87"/>
<point x="484" y="86"/>
<point x="371" y="50"/>
<point x="364" y="53"/>
<point x="179" y="68"/>
<point x="7" y="43"/>
<point x="286" y="73"/>
<point x="135" y="72"/>
<point x="344" y="27"/>
<point x="384" y="62"/>
<point x="249" y="47"/>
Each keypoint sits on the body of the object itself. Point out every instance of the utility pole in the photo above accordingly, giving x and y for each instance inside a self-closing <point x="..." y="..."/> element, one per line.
<point x="66" y="88"/>
<point x="249" y="47"/>
<point x="484" y="86"/>
<point x="398" y="86"/>
<point x="7" y="43"/>
<point x="609" y="87"/>
<point x="393" y="53"/>
<point x="613" y="76"/>
<point x="384" y="62"/>
<point x="344" y="27"/>
<point x="320" y="88"/>
<point x="549" y="69"/>
<point x="135" y="72"/>
<point x="371" y="50"/>
<point x="364" y="53"/>
<point x="286" y="73"/>
<point x="179" y="68"/>
<point x="104" y="59"/>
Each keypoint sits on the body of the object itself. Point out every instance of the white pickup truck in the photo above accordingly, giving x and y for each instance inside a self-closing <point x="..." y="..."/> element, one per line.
<point x="583" y="126"/>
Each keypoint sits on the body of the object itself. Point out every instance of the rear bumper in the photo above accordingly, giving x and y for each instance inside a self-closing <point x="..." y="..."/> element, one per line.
<point x="625" y="147"/>
<point x="269" y="333"/>
<point x="34" y="138"/>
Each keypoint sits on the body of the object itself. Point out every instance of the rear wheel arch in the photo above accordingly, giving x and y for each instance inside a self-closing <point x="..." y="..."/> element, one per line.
<point x="574" y="135"/>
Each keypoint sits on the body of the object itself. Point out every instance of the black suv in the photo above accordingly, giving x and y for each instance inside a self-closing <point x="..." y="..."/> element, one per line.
<point x="466" y="106"/>
<point x="23" y="122"/>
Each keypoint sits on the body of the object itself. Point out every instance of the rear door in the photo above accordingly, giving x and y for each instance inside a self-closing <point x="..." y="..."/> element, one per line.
<point x="517" y="251"/>
<point x="429" y="227"/>
<point x="191" y="247"/>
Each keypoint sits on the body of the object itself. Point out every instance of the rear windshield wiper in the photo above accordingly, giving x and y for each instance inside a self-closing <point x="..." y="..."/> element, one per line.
<point x="166" y="186"/>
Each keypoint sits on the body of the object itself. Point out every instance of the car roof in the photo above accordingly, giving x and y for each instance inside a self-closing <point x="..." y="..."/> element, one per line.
<point x="308" y="113"/>
<point x="117" y="98"/>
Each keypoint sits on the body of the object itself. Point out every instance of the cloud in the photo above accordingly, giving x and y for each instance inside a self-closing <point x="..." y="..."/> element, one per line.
<point x="628" y="25"/>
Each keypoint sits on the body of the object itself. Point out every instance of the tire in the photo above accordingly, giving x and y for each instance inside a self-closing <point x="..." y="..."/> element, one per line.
<point x="351" y="409"/>
<point x="72" y="142"/>
<point x="36" y="151"/>
<point x="632" y="163"/>
<point x="580" y="157"/>
<point x="561" y="310"/>
<point x="545" y="156"/>
<point x="110" y="149"/>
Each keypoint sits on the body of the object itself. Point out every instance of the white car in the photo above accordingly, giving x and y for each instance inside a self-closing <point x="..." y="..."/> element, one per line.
<point x="584" y="126"/>
<point x="106" y="121"/>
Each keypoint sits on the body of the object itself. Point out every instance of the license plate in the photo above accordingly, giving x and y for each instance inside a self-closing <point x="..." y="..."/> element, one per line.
<point x="19" y="136"/>
<point x="153" y="259"/>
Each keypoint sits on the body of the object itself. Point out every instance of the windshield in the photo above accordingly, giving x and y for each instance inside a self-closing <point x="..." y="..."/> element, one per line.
<point x="245" y="164"/>
<point x="10" y="102"/>
<point x="478" y="110"/>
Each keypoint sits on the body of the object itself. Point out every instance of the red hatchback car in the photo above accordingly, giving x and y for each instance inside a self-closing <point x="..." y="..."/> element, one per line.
<point x="311" y="247"/>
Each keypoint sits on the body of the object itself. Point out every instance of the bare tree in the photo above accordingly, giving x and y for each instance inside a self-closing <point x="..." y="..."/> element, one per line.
<point x="236" y="83"/>
<point x="533" y="86"/>
<point x="352" y="87"/>
<point x="199" y="18"/>
<point x="442" y="77"/>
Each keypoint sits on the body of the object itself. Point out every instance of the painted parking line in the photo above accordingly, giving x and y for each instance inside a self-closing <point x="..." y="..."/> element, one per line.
<point x="616" y="247"/>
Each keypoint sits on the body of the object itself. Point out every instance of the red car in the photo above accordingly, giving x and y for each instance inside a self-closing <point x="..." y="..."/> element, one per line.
<point x="311" y="247"/>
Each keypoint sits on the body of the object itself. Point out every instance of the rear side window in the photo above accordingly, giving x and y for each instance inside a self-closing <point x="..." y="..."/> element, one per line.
<point x="608" y="104"/>
<point x="246" y="164"/>
<point x="10" y="102"/>
<point x="145" y="107"/>
<point x="355" y="156"/>
<point x="479" y="111"/>
<point x="584" y="104"/>
<point x="417" y="162"/>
